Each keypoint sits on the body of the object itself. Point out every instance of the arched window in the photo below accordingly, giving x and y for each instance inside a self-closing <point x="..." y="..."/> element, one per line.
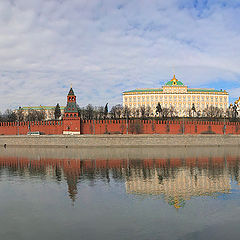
<point x="75" y="115"/>
<point x="70" y="115"/>
<point x="66" y="115"/>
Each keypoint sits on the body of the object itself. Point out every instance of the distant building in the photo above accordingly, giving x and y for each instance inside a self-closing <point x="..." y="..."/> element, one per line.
<point x="49" y="111"/>
<point x="175" y="94"/>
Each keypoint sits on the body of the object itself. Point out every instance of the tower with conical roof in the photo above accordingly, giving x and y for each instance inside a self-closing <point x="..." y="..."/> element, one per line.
<point x="71" y="119"/>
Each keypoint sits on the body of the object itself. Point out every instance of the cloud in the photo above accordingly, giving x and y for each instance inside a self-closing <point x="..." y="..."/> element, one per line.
<point x="105" y="47"/>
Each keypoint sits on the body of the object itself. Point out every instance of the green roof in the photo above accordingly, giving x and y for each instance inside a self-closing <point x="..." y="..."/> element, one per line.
<point x="71" y="92"/>
<point x="189" y="90"/>
<point x="173" y="83"/>
<point x="203" y="90"/>
<point x="71" y="107"/>
<point x="145" y="90"/>
<point x="41" y="108"/>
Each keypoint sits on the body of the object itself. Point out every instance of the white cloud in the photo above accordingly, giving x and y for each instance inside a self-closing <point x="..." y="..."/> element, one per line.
<point x="105" y="47"/>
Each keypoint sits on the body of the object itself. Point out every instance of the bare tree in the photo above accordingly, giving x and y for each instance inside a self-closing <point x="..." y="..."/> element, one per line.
<point x="148" y="111"/>
<point x="229" y="113"/>
<point x="213" y="112"/>
<point x="165" y="112"/>
<point x="189" y="112"/>
<point x="9" y="116"/>
<point x="89" y="112"/>
<point x="99" y="112"/>
<point x="34" y="115"/>
<point x="126" y="112"/>
<point x="143" y="111"/>
<point x="172" y="112"/>
<point x="138" y="112"/>
<point x="20" y="115"/>
<point x="116" y="111"/>
<point x="133" y="112"/>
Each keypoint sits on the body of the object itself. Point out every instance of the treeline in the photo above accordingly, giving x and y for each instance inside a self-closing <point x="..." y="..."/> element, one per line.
<point x="18" y="115"/>
<point x="91" y="112"/>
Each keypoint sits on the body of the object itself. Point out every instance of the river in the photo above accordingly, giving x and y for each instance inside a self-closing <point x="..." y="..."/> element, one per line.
<point x="120" y="193"/>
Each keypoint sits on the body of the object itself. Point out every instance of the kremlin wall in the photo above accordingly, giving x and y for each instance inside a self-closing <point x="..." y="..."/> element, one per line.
<point x="71" y="124"/>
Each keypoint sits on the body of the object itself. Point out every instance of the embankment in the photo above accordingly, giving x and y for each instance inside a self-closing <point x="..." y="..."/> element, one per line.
<point x="119" y="140"/>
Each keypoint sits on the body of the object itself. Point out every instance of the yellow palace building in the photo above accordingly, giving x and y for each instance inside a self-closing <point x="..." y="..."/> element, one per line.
<point x="175" y="94"/>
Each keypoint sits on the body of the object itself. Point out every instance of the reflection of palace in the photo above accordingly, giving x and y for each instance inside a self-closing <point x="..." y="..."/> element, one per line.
<point x="184" y="184"/>
<point x="176" y="179"/>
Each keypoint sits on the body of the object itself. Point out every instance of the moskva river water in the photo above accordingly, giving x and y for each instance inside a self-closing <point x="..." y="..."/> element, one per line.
<point x="120" y="193"/>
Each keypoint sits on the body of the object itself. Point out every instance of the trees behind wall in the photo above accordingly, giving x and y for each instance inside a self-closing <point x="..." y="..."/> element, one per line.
<point x="91" y="112"/>
<point x="8" y="116"/>
<point x="116" y="111"/>
<point x="34" y="115"/>
<point x="213" y="112"/>
<point x="18" y="116"/>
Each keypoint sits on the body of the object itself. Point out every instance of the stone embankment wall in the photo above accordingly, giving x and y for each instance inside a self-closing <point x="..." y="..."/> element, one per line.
<point x="120" y="140"/>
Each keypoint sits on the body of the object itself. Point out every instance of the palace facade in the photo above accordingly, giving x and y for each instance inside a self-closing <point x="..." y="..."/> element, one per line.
<point x="175" y="94"/>
<point x="48" y="110"/>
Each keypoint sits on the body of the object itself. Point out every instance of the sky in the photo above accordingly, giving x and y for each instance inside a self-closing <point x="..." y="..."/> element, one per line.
<point x="105" y="47"/>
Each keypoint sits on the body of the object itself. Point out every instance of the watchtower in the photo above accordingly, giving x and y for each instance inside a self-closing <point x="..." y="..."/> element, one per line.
<point x="71" y="119"/>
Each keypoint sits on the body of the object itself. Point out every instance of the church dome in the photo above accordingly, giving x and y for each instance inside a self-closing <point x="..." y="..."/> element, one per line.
<point x="174" y="82"/>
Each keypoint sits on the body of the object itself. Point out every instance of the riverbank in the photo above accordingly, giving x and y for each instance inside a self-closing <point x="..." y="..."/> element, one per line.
<point x="119" y="140"/>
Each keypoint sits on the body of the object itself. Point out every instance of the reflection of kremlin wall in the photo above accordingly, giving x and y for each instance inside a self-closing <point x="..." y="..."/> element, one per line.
<point x="174" y="178"/>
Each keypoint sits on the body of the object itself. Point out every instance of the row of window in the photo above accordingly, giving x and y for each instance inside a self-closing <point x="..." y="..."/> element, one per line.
<point x="203" y="105"/>
<point x="180" y="98"/>
<point x="175" y="90"/>
<point x="71" y="115"/>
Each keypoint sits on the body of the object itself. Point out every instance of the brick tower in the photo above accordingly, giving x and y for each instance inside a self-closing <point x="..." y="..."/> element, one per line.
<point x="71" y="119"/>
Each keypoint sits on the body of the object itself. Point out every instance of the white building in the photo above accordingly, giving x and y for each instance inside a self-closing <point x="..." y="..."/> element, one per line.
<point x="175" y="94"/>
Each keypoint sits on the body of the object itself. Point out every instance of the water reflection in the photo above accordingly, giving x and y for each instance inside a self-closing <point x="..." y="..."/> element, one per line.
<point x="175" y="179"/>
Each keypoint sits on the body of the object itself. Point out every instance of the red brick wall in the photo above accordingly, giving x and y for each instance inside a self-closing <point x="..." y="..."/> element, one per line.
<point x="47" y="127"/>
<point x="157" y="127"/>
<point x="120" y="127"/>
<point x="71" y="124"/>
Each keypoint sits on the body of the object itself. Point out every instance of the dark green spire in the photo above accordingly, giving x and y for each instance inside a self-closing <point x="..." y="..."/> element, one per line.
<point x="71" y="92"/>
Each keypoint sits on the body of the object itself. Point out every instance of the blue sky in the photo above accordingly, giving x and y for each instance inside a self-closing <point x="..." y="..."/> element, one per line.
<point x="104" y="47"/>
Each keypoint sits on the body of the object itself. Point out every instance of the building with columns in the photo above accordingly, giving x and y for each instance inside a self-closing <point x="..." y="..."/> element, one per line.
<point x="175" y="94"/>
